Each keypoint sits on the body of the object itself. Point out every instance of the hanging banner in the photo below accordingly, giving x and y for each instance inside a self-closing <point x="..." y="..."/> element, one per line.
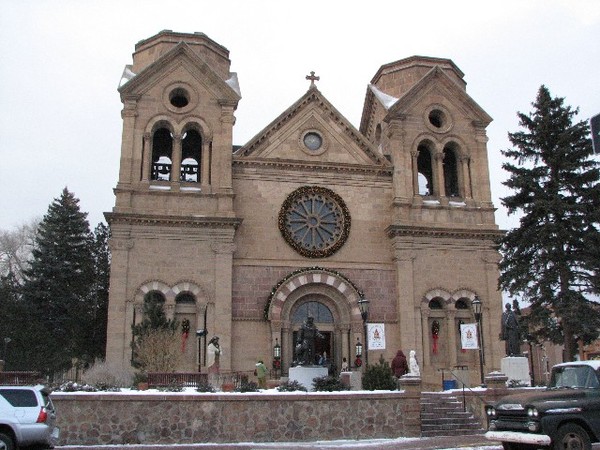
<point x="468" y="336"/>
<point x="376" y="336"/>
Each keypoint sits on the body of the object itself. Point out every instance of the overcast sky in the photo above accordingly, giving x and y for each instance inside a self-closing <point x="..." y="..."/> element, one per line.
<point x="61" y="61"/>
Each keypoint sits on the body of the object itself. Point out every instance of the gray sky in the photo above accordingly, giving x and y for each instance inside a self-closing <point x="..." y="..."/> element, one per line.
<point x="61" y="61"/>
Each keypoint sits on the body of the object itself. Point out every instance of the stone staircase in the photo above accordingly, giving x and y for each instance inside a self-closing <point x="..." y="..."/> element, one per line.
<point x="443" y="415"/>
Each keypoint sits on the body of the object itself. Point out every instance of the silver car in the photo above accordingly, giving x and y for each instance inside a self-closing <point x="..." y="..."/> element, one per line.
<point x="27" y="417"/>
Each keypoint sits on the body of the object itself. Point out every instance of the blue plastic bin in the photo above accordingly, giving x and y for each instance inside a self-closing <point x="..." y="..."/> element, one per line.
<point x="449" y="384"/>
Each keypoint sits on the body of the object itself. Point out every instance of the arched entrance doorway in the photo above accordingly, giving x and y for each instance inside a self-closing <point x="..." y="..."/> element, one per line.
<point x="331" y="298"/>
<point x="310" y="306"/>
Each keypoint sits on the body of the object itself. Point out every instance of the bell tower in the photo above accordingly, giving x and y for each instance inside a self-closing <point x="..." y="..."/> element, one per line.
<point x="443" y="231"/>
<point x="173" y="222"/>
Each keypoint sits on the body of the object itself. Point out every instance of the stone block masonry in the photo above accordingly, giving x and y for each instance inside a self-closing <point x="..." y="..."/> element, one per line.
<point x="184" y="418"/>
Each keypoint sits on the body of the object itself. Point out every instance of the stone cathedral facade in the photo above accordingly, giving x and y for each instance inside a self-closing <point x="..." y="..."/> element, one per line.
<point x="308" y="218"/>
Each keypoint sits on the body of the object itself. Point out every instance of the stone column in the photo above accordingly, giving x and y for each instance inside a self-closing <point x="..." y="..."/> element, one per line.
<point x="438" y="175"/>
<point x="129" y="114"/>
<point x="451" y="324"/>
<point x="407" y="316"/>
<point x="411" y="405"/>
<point x="120" y="310"/>
<point x="176" y="160"/>
<point x="415" y="172"/>
<point x="426" y="341"/>
<point x="204" y="169"/>
<point x="223" y="291"/>
<point x="146" y="157"/>
<point x="466" y="177"/>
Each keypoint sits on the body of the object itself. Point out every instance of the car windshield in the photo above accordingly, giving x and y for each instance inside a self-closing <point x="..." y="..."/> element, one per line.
<point x="574" y="377"/>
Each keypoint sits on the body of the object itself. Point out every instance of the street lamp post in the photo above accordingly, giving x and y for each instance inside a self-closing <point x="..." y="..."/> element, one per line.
<point x="276" y="356"/>
<point x="6" y="342"/>
<point x="358" y="352"/>
<point x="476" y="304"/>
<point x="363" y="305"/>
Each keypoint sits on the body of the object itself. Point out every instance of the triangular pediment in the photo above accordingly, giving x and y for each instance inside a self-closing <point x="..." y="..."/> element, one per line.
<point x="285" y="139"/>
<point x="182" y="58"/>
<point x="437" y="84"/>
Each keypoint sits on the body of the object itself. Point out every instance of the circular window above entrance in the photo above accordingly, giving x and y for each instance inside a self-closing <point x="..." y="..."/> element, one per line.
<point x="314" y="221"/>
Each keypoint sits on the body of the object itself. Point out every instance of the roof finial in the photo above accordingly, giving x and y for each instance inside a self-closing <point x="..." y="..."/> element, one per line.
<point x="312" y="78"/>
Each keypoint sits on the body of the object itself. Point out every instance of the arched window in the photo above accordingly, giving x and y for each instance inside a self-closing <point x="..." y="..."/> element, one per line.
<point x="154" y="297"/>
<point x="162" y="155"/>
<point x="436" y="303"/>
<point x="185" y="298"/>
<point x="317" y="310"/>
<point x="154" y="308"/>
<point x="461" y="303"/>
<point x="425" y="170"/>
<point x="191" y="149"/>
<point x="451" y="171"/>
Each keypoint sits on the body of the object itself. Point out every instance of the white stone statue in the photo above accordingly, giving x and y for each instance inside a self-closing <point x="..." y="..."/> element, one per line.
<point x="214" y="353"/>
<point x="413" y="365"/>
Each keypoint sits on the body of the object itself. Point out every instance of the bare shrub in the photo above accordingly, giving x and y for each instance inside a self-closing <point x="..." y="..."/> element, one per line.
<point x="108" y="374"/>
<point x="159" y="350"/>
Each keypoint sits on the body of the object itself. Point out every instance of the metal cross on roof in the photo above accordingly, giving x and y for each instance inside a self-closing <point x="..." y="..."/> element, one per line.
<point x="312" y="78"/>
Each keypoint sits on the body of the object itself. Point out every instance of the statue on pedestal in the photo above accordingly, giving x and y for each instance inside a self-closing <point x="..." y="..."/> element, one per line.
<point x="510" y="332"/>
<point x="305" y="344"/>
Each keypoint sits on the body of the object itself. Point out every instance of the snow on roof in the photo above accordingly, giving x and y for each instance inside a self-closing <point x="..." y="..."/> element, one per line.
<point x="127" y="75"/>
<point x="594" y="363"/>
<point x="233" y="83"/>
<point x="387" y="100"/>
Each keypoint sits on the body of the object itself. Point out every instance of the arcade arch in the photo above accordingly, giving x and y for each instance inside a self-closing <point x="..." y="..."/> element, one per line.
<point x="330" y="298"/>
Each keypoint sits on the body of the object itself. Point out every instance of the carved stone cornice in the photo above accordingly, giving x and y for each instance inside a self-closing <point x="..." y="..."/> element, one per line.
<point x="223" y="248"/>
<point x="299" y="166"/>
<point x="173" y="221"/>
<point x="454" y="233"/>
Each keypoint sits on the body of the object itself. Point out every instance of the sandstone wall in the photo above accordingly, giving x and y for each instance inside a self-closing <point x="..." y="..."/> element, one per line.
<point x="170" y="418"/>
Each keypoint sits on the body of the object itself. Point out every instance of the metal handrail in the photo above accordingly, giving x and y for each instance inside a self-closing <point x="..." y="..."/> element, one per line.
<point x="475" y="394"/>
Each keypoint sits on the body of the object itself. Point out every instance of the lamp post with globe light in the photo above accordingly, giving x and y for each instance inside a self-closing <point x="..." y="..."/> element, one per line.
<point x="363" y="305"/>
<point x="476" y="305"/>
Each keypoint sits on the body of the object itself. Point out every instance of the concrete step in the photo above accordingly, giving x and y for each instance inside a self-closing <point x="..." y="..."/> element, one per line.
<point x="444" y="415"/>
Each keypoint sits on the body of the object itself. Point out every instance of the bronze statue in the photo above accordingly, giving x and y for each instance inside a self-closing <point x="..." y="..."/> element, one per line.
<point x="510" y="332"/>
<point x="305" y="344"/>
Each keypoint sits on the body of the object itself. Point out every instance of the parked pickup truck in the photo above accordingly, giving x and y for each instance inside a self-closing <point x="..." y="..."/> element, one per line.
<point x="27" y="418"/>
<point x="565" y="415"/>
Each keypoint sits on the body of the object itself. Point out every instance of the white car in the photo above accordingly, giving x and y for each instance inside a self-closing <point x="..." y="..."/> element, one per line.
<point x="27" y="417"/>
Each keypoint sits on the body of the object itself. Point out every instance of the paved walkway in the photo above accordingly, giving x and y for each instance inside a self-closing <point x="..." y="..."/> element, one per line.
<point x="441" y="442"/>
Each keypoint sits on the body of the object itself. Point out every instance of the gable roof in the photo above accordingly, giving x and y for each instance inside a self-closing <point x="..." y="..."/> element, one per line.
<point x="312" y="97"/>
<point x="227" y="90"/>
<point x="437" y="77"/>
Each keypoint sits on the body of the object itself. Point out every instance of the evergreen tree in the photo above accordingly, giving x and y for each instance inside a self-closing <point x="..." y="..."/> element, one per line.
<point x="98" y="311"/>
<point x="58" y="287"/>
<point x="155" y="337"/>
<point x="12" y="340"/>
<point x="552" y="259"/>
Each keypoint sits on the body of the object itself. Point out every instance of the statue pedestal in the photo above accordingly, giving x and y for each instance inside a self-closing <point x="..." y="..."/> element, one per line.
<point x="305" y="375"/>
<point x="516" y="368"/>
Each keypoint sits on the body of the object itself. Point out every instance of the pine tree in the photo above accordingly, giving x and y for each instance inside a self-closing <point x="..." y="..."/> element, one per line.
<point x="98" y="311"/>
<point x="552" y="259"/>
<point x="11" y="340"/>
<point x="58" y="287"/>
<point x="155" y="342"/>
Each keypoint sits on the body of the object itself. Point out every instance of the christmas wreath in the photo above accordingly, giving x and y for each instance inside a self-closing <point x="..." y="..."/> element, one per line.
<point x="185" y="332"/>
<point x="435" y="334"/>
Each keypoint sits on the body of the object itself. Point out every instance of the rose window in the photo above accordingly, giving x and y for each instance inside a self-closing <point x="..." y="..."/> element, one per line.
<point x="314" y="221"/>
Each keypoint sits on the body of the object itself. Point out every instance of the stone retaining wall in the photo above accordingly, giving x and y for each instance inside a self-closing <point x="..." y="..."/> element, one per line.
<point x="169" y="418"/>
